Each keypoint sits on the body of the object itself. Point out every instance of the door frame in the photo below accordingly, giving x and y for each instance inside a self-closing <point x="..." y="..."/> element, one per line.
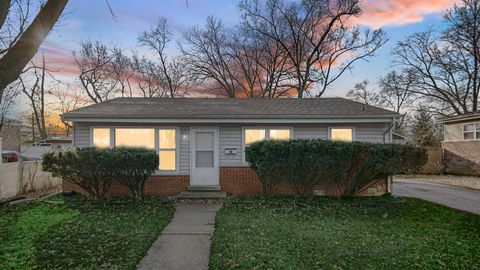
<point x="216" y="151"/>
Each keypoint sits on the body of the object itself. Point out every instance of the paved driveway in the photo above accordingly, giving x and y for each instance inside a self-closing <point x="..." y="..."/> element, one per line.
<point x="462" y="199"/>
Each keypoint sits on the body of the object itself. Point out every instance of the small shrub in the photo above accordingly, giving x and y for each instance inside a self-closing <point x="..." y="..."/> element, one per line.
<point x="304" y="164"/>
<point x="92" y="169"/>
<point x="134" y="166"/>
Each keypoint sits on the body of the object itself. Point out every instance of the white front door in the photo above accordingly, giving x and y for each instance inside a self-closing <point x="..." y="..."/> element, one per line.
<point x="204" y="149"/>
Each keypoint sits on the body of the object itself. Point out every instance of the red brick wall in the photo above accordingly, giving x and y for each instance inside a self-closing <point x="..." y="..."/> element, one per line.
<point x="233" y="180"/>
<point x="244" y="181"/>
<point x="156" y="185"/>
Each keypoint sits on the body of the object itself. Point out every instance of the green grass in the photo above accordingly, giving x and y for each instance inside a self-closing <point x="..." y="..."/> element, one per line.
<point x="79" y="234"/>
<point x="360" y="233"/>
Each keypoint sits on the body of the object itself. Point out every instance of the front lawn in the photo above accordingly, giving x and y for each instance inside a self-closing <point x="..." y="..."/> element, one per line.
<point x="80" y="234"/>
<point x="360" y="233"/>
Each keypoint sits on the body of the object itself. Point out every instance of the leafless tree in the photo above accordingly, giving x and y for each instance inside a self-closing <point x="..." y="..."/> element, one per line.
<point x="394" y="93"/>
<point x="34" y="89"/>
<point x="257" y="65"/>
<point x="207" y="52"/>
<point x="396" y="90"/>
<point x="316" y="36"/>
<point x="20" y="45"/>
<point x="122" y="71"/>
<point x="174" y="78"/>
<point x="362" y="93"/>
<point x="67" y="99"/>
<point x="97" y="76"/>
<point x="146" y="77"/>
<point x="447" y="64"/>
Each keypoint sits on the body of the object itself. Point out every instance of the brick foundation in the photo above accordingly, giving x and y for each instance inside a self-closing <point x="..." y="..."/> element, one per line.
<point x="244" y="181"/>
<point x="233" y="180"/>
<point x="157" y="185"/>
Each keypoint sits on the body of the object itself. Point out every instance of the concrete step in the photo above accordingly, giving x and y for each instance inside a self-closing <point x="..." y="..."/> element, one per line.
<point x="203" y="188"/>
<point x="202" y="195"/>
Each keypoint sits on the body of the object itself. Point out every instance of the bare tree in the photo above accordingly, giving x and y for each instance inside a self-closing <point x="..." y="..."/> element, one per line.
<point x="174" y="78"/>
<point x="146" y="77"/>
<point x="68" y="99"/>
<point x="98" y="76"/>
<point x="34" y="89"/>
<point x="23" y="43"/>
<point x="122" y="71"/>
<point x="361" y="93"/>
<point x="207" y="52"/>
<point x="394" y="93"/>
<point x="316" y="36"/>
<point x="447" y="64"/>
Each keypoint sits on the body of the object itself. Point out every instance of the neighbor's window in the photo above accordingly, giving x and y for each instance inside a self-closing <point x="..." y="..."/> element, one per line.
<point x="101" y="137"/>
<point x="167" y="149"/>
<point x="341" y="134"/>
<point x="135" y="137"/>
<point x="471" y="131"/>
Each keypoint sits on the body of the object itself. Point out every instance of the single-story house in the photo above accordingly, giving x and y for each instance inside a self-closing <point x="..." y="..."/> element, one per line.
<point x="461" y="144"/>
<point x="201" y="142"/>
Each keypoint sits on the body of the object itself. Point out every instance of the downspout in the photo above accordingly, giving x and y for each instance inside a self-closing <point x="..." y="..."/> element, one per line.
<point x="389" y="130"/>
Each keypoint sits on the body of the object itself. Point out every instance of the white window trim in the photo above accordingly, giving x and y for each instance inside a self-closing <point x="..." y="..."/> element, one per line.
<point x="156" y="141"/>
<point x="474" y="131"/>
<point x="353" y="128"/>
<point x="267" y="136"/>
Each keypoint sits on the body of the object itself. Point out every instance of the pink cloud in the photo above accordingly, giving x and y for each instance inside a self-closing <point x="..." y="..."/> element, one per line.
<point x="59" y="59"/>
<point x="379" y="13"/>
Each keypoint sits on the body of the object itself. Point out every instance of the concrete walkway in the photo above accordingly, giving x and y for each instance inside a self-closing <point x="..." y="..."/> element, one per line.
<point x="185" y="241"/>
<point x="457" y="198"/>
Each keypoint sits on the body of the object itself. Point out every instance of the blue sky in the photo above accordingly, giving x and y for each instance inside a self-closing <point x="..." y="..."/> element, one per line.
<point x="91" y="20"/>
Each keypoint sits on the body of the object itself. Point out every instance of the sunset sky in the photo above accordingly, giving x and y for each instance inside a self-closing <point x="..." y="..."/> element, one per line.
<point x="91" y="20"/>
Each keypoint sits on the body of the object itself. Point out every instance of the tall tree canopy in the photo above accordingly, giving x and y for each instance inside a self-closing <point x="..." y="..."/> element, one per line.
<point x="447" y="64"/>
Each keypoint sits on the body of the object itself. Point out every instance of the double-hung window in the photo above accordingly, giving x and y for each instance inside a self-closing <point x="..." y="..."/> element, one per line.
<point x="163" y="140"/>
<point x="256" y="134"/>
<point x="471" y="131"/>
<point x="341" y="134"/>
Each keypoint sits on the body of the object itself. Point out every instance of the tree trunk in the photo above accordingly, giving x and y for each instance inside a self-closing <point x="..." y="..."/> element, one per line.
<point x="17" y="57"/>
<point x="4" y="7"/>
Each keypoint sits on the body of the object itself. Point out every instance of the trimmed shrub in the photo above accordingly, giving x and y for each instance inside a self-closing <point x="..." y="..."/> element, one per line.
<point x="304" y="164"/>
<point x="92" y="169"/>
<point x="134" y="168"/>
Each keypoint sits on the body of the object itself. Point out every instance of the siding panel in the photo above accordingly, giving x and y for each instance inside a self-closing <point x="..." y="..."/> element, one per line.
<point x="231" y="136"/>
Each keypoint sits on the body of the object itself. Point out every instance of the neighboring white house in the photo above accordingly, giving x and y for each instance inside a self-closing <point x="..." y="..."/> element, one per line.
<point x="201" y="142"/>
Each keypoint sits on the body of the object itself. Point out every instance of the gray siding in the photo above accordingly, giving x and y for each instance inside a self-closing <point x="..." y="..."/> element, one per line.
<point x="373" y="133"/>
<point x="310" y="132"/>
<point x="81" y="134"/>
<point x="231" y="136"/>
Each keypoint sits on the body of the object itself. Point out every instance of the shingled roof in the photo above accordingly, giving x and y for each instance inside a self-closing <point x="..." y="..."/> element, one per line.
<point x="223" y="108"/>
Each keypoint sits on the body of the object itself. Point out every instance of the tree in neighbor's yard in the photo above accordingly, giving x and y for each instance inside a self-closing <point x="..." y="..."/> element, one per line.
<point x="318" y="38"/>
<point x="172" y="75"/>
<point x="207" y="52"/>
<point x="21" y="39"/>
<point x="394" y="94"/>
<point x="423" y="130"/>
<point x="447" y="64"/>
<point x="35" y="92"/>
<point x="101" y="74"/>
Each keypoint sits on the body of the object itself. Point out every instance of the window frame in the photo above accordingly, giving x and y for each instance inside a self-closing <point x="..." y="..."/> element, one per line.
<point x="475" y="130"/>
<point x="156" y="143"/>
<point x="267" y="136"/>
<point x="353" y="128"/>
